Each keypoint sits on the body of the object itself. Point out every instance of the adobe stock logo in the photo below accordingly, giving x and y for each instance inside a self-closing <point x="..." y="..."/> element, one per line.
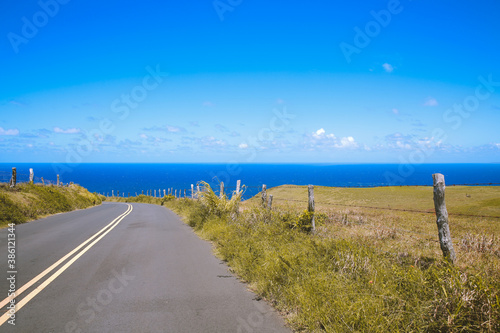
<point x="223" y="6"/>
<point x="372" y="29"/>
<point x="40" y="19"/>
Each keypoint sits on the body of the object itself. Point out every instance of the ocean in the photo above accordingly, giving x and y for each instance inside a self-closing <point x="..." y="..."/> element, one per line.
<point x="135" y="178"/>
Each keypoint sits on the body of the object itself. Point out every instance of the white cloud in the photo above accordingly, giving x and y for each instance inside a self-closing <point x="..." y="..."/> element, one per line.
<point x="388" y="68"/>
<point x="210" y="141"/>
<point x="9" y="131"/>
<point x="243" y="146"/>
<point x="321" y="131"/>
<point x="347" y="142"/>
<point x="67" y="131"/>
<point x="395" y="111"/>
<point x="403" y="145"/>
<point x="174" y="129"/>
<point x="321" y="134"/>
<point x="143" y="136"/>
<point x="497" y="145"/>
<point x="431" y="101"/>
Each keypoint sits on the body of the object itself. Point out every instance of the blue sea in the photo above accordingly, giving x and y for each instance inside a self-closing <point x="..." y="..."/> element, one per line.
<point x="135" y="178"/>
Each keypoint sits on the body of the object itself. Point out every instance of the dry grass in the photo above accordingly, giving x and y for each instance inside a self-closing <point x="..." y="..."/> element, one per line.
<point x="476" y="239"/>
<point x="28" y="202"/>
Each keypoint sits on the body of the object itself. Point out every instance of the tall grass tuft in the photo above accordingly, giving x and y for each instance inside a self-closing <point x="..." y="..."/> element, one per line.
<point x="220" y="205"/>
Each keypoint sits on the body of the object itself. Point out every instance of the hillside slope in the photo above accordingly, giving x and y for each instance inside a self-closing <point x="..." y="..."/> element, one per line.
<point x="28" y="202"/>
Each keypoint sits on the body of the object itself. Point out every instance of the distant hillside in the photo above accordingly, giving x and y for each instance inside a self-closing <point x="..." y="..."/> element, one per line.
<point x="27" y="202"/>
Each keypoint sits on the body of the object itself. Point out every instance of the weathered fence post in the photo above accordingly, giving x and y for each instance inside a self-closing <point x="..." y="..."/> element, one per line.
<point x="221" y="194"/>
<point x="175" y="195"/>
<point x="310" y="206"/>
<point x="164" y="192"/>
<point x="185" y="193"/>
<point x="155" y="194"/>
<point x="192" y="191"/>
<point x="264" y="195"/>
<point x="32" y="176"/>
<point x="43" y="181"/>
<point x="13" y="179"/>
<point x="112" y="193"/>
<point x="58" y="183"/>
<point x="117" y="193"/>
<point x="238" y="185"/>
<point x="442" y="218"/>
<point x="270" y="202"/>
<point x="197" y="191"/>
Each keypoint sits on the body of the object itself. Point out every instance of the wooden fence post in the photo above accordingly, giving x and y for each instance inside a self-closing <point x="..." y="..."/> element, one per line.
<point x="32" y="176"/>
<point x="270" y="202"/>
<point x="13" y="179"/>
<point x="43" y="181"/>
<point x="238" y="185"/>
<point x="58" y="183"/>
<point x="197" y="191"/>
<point x="442" y="218"/>
<point x="117" y="193"/>
<point x="264" y="195"/>
<point x="192" y="191"/>
<point x="185" y="193"/>
<point x="221" y="194"/>
<point x="112" y="193"/>
<point x="175" y="195"/>
<point x="310" y="207"/>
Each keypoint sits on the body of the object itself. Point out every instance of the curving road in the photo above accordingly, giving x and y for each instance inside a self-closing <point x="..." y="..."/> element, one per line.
<point x="123" y="268"/>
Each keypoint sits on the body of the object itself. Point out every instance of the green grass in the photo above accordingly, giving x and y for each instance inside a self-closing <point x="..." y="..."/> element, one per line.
<point x="28" y="202"/>
<point x="475" y="200"/>
<point x="142" y="199"/>
<point x="360" y="273"/>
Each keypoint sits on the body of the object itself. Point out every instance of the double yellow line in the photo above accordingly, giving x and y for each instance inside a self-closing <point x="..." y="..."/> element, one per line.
<point x="92" y="240"/>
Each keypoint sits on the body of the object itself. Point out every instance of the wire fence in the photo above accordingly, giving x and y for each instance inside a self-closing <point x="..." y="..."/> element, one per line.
<point x="6" y="178"/>
<point x="363" y="224"/>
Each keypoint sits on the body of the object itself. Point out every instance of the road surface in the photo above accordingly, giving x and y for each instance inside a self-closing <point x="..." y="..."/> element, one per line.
<point x="123" y="268"/>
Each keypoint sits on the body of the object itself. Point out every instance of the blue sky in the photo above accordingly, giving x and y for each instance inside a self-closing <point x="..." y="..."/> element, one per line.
<point x="250" y="81"/>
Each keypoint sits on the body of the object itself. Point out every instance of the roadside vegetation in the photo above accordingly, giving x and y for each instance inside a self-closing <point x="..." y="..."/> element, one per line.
<point x="364" y="269"/>
<point x="352" y="280"/>
<point x="27" y="202"/>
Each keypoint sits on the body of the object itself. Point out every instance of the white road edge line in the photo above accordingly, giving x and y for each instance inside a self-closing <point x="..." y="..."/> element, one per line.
<point x="25" y="300"/>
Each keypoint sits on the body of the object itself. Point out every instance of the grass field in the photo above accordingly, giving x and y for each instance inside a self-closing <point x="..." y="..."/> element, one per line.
<point x="27" y="202"/>
<point x="388" y="227"/>
<point x="365" y="269"/>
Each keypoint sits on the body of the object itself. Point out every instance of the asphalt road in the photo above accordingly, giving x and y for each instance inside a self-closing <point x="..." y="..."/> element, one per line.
<point x="145" y="271"/>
